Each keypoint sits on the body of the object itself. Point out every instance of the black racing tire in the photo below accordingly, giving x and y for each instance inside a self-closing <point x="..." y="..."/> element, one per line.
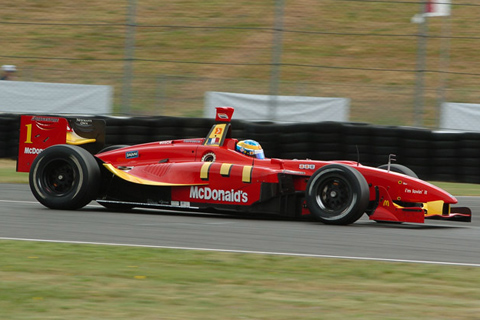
<point x="65" y="177"/>
<point x="337" y="194"/>
<point x="114" y="147"/>
<point x="398" y="168"/>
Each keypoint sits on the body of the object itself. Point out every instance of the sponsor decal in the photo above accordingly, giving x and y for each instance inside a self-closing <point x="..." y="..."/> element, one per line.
<point x="46" y="119"/>
<point x="28" y="150"/>
<point x="131" y="154"/>
<point x="165" y="142"/>
<point x="306" y="166"/>
<point x="83" y="122"/>
<point x="180" y="203"/>
<point x="192" y="141"/>
<point x="223" y="116"/>
<point x="414" y="191"/>
<point x="386" y="203"/>
<point x="206" y="193"/>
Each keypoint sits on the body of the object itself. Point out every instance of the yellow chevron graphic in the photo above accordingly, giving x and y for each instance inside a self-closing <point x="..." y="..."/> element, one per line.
<point x="205" y="170"/>
<point x="247" y="174"/>
<point x="225" y="169"/>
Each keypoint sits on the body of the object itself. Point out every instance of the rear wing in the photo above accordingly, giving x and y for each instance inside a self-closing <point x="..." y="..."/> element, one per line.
<point x="40" y="132"/>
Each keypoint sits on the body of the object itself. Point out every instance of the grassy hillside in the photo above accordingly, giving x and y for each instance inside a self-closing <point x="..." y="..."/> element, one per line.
<point x="362" y="50"/>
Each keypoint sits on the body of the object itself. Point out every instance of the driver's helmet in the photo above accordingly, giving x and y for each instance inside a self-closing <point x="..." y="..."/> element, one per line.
<point x="250" y="148"/>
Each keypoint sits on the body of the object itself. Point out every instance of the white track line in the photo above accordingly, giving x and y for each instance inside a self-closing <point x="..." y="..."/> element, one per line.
<point x="36" y="202"/>
<point x="237" y="251"/>
<point x="20" y="201"/>
<point x="254" y="252"/>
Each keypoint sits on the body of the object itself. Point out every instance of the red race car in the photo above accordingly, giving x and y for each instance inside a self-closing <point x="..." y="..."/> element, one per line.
<point x="221" y="173"/>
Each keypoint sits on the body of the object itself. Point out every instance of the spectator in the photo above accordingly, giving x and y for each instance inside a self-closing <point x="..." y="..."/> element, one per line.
<point x="8" y="71"/>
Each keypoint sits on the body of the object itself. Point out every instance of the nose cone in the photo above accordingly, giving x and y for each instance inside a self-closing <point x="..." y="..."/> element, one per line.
<point x="405" y="188"/>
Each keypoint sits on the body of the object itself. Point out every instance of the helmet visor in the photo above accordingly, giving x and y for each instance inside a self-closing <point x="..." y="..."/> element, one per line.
<point x="259" y="154"/>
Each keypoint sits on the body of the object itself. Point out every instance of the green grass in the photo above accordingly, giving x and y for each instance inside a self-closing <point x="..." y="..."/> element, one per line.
<point x="459" y="189"/>
<point x="8" y="173"/>
<point x="67" y="281"/>
<point x="10" y="176"/>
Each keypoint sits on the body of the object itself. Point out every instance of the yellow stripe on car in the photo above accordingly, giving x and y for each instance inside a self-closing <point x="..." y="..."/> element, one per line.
<point x="131" y="178"/>
<point x="247" y="174"/>
<point x="225" y="169"/>
<point x="75" y="139"/>
<point x="205" y="170"/>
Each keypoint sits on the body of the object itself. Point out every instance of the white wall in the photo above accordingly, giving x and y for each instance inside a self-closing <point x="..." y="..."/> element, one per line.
<point x="289" y="108"/>
<point x="55" y="98"/>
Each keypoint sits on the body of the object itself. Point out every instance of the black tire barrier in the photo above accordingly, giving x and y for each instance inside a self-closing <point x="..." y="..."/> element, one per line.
<point x="469" y="174"/>
<point x="267" y="135"/>
<point x="238" y="129"/>
<point x="357" y="142"/>
<point x="328" y="151"/>
<point x="9" y="125"/>
<point x="3" y="150"/>
<point x="433" y="155"/>
<point x="166" y="128"/>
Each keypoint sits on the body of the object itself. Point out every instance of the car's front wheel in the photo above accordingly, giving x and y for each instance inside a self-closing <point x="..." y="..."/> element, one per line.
<point x="65" y="177"/>
<point x="337" y="194"/>
<point x="399" y="169"/>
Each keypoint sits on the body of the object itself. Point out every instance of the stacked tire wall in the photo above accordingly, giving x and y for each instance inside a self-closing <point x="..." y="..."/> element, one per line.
<point x="9" y="129"/>
<point x="433" y="155"/>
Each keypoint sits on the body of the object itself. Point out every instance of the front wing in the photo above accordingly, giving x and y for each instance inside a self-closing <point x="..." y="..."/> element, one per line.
<point x="388" y="210"/>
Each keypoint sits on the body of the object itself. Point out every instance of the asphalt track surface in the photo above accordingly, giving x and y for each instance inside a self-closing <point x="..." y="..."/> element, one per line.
<point x="22" y="217"/>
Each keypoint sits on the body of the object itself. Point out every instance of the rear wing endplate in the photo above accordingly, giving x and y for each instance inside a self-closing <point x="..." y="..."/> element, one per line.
<point x="40" y="132"/>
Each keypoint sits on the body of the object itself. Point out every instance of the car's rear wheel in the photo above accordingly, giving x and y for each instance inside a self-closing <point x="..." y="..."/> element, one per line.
<point x="337" y="194"/>
<point x="64" y="177"/>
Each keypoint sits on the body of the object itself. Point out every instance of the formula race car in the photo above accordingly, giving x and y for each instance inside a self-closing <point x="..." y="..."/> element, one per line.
<point x="216" y="173"/>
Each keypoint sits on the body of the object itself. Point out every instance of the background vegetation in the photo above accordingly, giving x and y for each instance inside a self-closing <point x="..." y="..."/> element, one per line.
<point x="363" y="50"/>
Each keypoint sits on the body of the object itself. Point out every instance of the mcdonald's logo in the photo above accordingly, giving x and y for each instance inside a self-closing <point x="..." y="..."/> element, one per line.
<point x="386" y="203"/>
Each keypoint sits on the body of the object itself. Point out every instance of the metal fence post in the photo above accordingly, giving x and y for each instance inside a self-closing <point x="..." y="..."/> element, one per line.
<point x="420" y="73"/>
<point x="444" y="64"/>
<point x="129" y="55"/>
<point x="276" y="56"/>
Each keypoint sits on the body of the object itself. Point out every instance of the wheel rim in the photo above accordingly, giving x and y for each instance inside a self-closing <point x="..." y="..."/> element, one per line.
<point x="58" y="177"/>
<point x="334" y="196"/>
